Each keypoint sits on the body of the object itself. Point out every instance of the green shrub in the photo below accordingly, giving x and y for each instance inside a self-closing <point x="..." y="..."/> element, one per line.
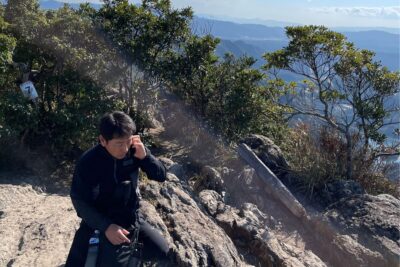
<point x="318" y="156"/>
<point x="62" y="122"/>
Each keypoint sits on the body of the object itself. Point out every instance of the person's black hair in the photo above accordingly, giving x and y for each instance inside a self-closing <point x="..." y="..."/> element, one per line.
<point x="116" y="124"/>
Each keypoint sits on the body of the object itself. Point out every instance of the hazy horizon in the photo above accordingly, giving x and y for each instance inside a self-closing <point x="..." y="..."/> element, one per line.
<point x="338" y="13"/>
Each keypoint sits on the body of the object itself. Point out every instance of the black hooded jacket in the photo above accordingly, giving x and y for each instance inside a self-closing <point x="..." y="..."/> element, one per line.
<point x="97" y="178"/>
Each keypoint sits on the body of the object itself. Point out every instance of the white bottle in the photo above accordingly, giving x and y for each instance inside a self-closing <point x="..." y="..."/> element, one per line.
<point x="91" y="257"/>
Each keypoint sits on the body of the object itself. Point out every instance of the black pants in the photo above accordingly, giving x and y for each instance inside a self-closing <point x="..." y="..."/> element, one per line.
<point x="154" y="244"/>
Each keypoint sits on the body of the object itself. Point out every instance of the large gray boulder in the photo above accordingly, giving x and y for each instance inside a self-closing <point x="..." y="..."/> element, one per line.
<point x="339" y="189"/>
<point x="173" y="167"/>
<point x="211" y="179"/>
<point x="195" y="238"/>
<point x="372" y="221"/>
<point x="269" y="153"/>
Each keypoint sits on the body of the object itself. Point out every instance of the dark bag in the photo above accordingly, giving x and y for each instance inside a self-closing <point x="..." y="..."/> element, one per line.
<point x="125" y="255"/>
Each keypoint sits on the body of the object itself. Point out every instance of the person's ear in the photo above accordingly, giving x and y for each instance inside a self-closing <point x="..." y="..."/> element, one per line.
<point x="103" y="141"/>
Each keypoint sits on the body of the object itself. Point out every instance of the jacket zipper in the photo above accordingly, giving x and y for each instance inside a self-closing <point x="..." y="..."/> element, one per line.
<point x="115" y="171"/>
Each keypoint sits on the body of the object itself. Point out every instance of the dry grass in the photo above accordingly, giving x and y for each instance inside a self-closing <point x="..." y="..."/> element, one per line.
<point x="318" y="156"/>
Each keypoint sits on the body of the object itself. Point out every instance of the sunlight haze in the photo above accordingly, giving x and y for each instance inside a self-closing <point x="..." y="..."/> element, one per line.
<point x="356" y="13"/>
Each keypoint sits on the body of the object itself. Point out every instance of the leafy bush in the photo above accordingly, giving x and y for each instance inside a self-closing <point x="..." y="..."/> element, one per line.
<point x="228" y="93"/>
<point x="338" y="75"/>
<point x="377" y="183"/>
<point x="318" y="156"/>
<point x="63" y="55"/>
<point x="64" y="119"/>
<point x="67" y="61"/>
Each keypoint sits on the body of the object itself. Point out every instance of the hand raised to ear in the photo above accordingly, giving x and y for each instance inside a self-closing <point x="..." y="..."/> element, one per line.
<point x="140" y="151"/>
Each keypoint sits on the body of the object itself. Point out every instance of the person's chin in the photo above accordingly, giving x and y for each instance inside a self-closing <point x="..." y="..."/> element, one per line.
<point x="119" y="156"/>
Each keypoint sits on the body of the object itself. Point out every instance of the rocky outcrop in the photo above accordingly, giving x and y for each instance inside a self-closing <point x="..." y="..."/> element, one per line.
<point x="273" y="186"/>
<point x="248" y="228"/>
<point x="208" y="229"/>
<point x="268" y="152"/>
<point x="209" y="178"/>
<point x="36" y="228"/>
<point x="174" y="168"/>
<point x="370" y="221"/>
<point x="358" y="229"/>
<point x="196" y="240"/>
<point x="337" y="190"/>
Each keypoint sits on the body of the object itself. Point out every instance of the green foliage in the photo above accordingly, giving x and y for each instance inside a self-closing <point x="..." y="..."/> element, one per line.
<point x="146" y="32"/>
<point x="191" y="65"/>
<point x="158" y="40"/>
<point x="345" y="88"/>
<point x="60" y="52"/>
<point x="78" y="58"/>
<point x="24" y="17"/>
<point x="191" y="72"/>
<point x="227" y="93"/>
<point x="73" y="40"/>
<point x="142" y="120"/>
<point x="63" y="122"/>
<point x="7" y="45"/>
<point x="237" y="105"/>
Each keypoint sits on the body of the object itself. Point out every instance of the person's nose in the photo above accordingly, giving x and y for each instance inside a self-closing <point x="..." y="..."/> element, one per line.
<point x="126" y="148"/>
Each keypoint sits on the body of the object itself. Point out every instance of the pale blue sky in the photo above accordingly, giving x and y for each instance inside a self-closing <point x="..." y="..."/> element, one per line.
<point x="351" y="13"/>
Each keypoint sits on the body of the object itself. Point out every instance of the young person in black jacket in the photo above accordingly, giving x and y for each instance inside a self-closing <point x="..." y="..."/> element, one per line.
<point x="105" y="191"/>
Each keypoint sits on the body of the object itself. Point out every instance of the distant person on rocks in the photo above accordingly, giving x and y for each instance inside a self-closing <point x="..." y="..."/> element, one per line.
<point x="105" y="194"/>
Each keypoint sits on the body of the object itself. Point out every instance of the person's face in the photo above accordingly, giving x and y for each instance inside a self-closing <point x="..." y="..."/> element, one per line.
<point x="117" y="147"/>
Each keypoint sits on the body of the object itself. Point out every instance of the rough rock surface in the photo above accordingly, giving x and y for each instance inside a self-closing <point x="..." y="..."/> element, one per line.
<point x="210" y="179"/>
<point x="195" y="238"/>
<point x="36" y="228"/>
<point x="358" y="229"/>
<point x="247" y="227"/>
<point x="372" y="221"/>
<point x="268" y="152"/>
<point x="323" y="240"/>
<point x="337" y="190"/>
<point x="173" y="167"/>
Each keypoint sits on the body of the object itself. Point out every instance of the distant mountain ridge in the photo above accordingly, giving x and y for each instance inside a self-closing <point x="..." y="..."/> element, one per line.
<point x="256" y="39"/>
<point x="52" y="4"/>
<point x="235" y="31"/>
<point x="282" y="24"/>
<point x="265" y="22"/>
<point x="363" y="29"/>
<point x="250" y="39"/>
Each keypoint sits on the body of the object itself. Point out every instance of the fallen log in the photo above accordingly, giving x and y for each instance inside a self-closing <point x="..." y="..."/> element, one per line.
<point x="273" y="185"/>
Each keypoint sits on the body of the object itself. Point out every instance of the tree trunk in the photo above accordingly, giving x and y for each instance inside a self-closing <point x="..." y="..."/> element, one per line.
<point x="349" y="156"/>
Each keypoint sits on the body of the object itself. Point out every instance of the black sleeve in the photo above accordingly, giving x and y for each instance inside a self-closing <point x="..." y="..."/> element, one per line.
<point x="154" y="169"/>
<point x="82" y="193"/>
